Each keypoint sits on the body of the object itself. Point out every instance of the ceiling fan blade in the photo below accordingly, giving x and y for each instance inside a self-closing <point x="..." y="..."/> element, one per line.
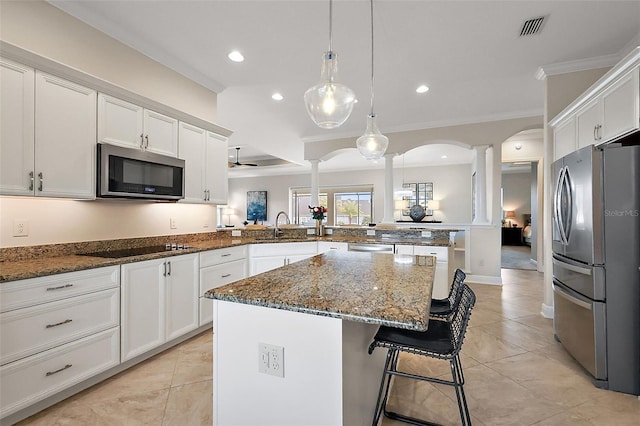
<point x="238" y="163"/>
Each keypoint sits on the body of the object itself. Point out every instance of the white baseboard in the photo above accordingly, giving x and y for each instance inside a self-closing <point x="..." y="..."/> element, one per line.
<point x="484" y="279"/>
<point x="547" y="311"/>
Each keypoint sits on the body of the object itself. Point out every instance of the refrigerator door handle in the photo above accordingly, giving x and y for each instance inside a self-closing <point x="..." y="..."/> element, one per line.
<point x="563" y="293"/>
<point x="558" y="205"/>
<point x="574" y="268"/>
<point x="567" y="185"/>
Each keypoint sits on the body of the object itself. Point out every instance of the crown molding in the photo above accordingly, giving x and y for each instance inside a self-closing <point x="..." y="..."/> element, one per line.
<point x="578" y="65"/>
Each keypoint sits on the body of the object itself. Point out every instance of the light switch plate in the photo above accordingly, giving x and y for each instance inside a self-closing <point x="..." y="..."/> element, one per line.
<point x="426" y="234"/>
<point x="371" y="232"/>
<point x="236" y="233"/>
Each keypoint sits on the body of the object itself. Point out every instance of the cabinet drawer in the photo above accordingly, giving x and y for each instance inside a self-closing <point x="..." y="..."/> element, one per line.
<point x="33" y="291"/>
<point x="216" y="257"/>
<point x="216" y="276"/>
<point x="441" y="253"/>
<point x="286" y="249"/>
<point x="32" y="379"/>
<point x="31" y="330"/>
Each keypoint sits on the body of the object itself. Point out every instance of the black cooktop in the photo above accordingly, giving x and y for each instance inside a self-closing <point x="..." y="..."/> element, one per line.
<point x="137" y="251"/>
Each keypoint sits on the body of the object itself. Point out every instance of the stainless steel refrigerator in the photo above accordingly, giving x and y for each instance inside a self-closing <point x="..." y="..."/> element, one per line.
<point x="596" y="261"/>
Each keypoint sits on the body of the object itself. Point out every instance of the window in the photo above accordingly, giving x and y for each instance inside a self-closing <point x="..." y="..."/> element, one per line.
<point x="301" y="200"/>
<point x="353" y="208"/>
<point x="345" y="205"/>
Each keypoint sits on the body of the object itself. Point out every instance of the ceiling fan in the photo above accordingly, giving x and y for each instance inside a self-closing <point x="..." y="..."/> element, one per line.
<point x="237" y="162"/>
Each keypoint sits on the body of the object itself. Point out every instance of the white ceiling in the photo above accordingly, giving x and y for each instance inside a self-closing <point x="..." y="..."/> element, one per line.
<point x="468" y="52"/>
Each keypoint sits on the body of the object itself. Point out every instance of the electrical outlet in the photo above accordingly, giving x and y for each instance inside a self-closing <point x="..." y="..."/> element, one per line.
<point x="20" y="228"/>
<point x="205" y="224"/>
<point x="426" y="234"/>
<point x="311" y="231"/>
<point x="328" y="231"/>
<point x="371" y="232"/>
<point x="236" y="233"/>
<point x="271" y="359"/>
<point x="172" y="223"/>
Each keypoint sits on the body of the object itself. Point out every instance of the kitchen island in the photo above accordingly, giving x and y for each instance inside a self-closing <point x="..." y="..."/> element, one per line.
<point x="309" y="325"/>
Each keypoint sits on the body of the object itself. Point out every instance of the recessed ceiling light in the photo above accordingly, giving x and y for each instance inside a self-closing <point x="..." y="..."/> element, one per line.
<point x="444" y="156"/>
<point x="277" y="97"/>
<point x="236" y="56"/>
<point x="422" y="89"/>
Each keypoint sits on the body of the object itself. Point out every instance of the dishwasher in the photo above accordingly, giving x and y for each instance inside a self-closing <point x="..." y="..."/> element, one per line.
<point x="371" y="247"/>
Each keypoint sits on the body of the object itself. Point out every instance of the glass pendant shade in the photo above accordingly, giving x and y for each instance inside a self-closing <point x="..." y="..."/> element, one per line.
<point x="372" y="144"/>
<point x="329" y="103"/>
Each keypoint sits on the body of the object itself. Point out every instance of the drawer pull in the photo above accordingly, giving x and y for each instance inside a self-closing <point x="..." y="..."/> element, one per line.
<point x="225" y="276"/>
<point x="51" y="373"/>
<point x="225" y="255"/>
<point x="60" y="323"/>
<point x="60" y="287"/>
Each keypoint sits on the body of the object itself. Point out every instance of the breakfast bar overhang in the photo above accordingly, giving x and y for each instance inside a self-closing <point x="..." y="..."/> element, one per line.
<point x="322" y="314"/>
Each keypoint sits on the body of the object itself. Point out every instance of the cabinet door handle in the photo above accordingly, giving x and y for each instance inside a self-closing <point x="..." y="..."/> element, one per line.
<point x="146" y="141"/>
<point x="59" y="287"/>
<point x="169" y="273"/>
<point x="599" y="132"/>
<point x="31" y="181"/>
<point x="225" y="276"/>
<point x="225" y="255"/>
<point x="595" y="132"/>
<point x="164" y="272"/>
<point x="142" y="140"/>
<point x="51" y="373"/>
<point x="41" y="178"/>
<point x="67" y="321"/>
<point x="208" y="195"/>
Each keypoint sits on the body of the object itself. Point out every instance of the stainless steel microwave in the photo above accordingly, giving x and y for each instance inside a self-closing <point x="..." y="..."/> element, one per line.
<point x="133" y="173"/>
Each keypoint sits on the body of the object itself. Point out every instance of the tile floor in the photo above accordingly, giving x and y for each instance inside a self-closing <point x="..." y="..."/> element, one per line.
<point x="516" y="375"/>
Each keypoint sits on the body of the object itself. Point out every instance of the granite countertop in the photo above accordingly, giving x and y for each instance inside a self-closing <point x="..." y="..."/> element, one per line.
<point x="385" y="289"/>
<point x="40" y="265"/>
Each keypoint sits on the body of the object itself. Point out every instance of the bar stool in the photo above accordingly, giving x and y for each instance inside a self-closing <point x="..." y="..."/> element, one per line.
<point x="442" y="308"/>
<point x="442" y="340"/>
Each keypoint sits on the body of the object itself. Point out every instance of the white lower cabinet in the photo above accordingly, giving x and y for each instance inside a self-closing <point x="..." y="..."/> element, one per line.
<point x="34" y="378"/>
<point x="55" y="332"/>
<point x="443" y="273"/>
<point x="218" y="268"/>
<point x="265" y="257"/>
<point x="159" y="302"/>
<point x="325" y="246"/>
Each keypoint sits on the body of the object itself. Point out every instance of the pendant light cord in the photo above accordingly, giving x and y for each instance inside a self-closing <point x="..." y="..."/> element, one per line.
<point x="371" y="3"/>
<point x="330" y="20"/>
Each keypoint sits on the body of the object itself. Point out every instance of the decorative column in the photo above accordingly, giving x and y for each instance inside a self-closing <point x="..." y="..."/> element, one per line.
<point x="315" y="179"/>
<point x="481" y="184"/>
<point x="388" y="188"/>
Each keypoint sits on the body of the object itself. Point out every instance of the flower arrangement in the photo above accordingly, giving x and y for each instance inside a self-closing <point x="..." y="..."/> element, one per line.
<point x="318" y="212"/>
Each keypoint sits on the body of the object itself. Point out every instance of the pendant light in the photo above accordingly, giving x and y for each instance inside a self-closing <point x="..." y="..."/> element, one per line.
<point x="329" y="103"/>
<point x="372" y="144"/>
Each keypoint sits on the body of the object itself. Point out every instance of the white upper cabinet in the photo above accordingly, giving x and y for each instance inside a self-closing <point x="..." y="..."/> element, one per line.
<point x="129" y="125"/>
<point x="16" y="128"/>
<point x="65" y="147"/>
<point x="48" y="135"/>
<point x="608" y="110"/>
<point x="621" y="106"/>
<point x="205" y="155"/>
<point x="217" y="182"/>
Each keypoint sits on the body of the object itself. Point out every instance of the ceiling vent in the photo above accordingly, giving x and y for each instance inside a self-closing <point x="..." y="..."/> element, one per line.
<point x="532" y="26"/>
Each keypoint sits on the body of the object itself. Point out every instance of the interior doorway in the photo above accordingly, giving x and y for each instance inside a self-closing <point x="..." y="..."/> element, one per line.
<point x="520" y="210"/>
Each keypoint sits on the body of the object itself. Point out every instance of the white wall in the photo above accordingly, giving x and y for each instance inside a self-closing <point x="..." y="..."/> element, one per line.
<point x="43" y="29"/>
<point x="452" y="186"/>
<point x="63" y="221"/>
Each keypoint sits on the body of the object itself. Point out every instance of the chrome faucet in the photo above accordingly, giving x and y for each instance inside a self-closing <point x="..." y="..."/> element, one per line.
<point x="277" y="232"/>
